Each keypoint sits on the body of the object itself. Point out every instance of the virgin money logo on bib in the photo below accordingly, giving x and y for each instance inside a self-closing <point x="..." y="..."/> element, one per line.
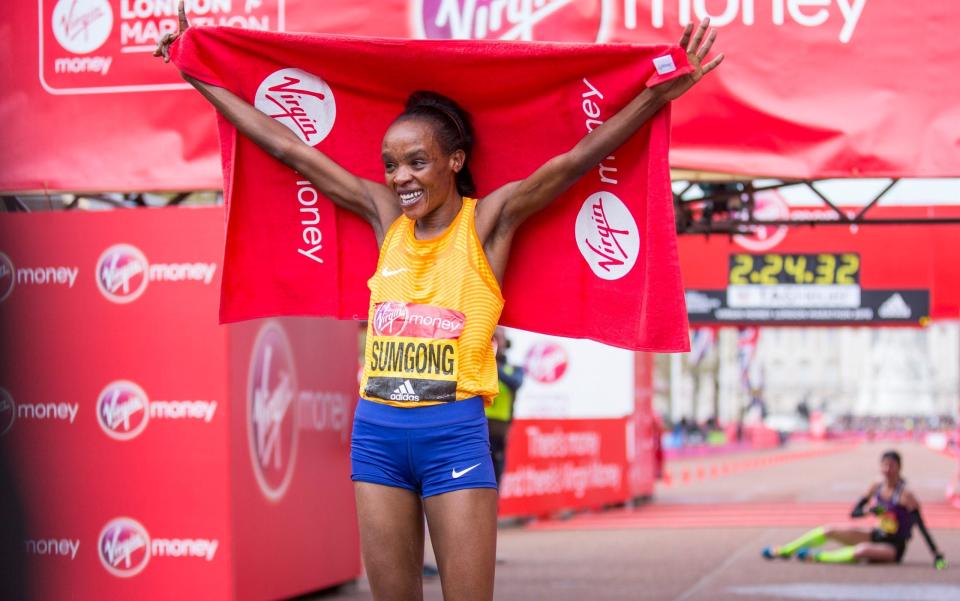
<point x="542" y="20"/>
<point x="122" y="273"/>
<point x="82" y="26"/>
<point x="390" y="318"/>
<point x="272" y="428"/>
<point x="301" y="101"/>
<point x="546" y="362"/>
<point x="124" y="547"/>
<point x="123" y="410"/>
<point x="607" y="236"/>
<point x="7" y="276"/>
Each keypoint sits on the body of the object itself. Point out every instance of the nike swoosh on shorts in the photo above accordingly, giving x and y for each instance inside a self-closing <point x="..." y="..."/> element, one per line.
<point x="457" y="474"/>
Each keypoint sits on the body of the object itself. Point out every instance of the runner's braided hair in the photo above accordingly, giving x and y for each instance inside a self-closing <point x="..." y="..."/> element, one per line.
<point x="451" y="125"/>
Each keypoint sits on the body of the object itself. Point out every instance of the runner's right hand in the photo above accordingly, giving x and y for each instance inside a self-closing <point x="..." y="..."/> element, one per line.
<point x="163" y="46"/>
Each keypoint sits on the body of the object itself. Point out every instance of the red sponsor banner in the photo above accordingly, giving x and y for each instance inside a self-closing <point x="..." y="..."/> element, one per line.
<point x="84" y="66"/>
<point x="132" y="449"/>
<point x="909" y="269"/>
<point x="559" y="464"/>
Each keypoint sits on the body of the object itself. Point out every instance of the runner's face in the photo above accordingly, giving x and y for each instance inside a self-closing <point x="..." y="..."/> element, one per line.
<point x="417" y="169"/>
<point x="890" y="469"/>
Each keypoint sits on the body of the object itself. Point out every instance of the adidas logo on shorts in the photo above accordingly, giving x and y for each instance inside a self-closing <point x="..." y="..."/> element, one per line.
<point x="404" y="392"/>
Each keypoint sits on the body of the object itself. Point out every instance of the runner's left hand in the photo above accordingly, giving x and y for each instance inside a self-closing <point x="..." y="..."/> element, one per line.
<point x="697" y="49"/>
<point x="163" y="46"/>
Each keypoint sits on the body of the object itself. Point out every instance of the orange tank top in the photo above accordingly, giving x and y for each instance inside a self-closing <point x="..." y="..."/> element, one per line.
<point x="434" y="305"/>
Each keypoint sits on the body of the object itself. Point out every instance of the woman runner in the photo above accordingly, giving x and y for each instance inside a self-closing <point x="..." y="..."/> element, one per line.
<point x="898" y="511"/>
<point x="420" y="444"/>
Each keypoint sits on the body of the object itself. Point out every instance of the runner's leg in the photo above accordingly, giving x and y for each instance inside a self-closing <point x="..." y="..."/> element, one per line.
<point x="463" y="530"/>
<point x="391" y="540"/>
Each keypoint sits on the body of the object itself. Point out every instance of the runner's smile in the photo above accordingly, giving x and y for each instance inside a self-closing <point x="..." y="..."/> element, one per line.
<point x="416" y="168"/>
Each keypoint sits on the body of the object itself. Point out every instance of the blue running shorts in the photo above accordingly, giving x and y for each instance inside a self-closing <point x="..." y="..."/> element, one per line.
<point x="428" y="450"/>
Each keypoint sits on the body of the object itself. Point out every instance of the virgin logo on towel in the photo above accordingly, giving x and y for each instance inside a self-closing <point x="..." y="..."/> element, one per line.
<point x="301" y="101"/>
<point x="546" y="362"/>
<point x="123" y="410"/>
<point x="82" y="26"/>
<point x="124" y="547"/>
<point x="607" y="236"/>
<point x="272" y="428"/>
<point x="542" y="20"/>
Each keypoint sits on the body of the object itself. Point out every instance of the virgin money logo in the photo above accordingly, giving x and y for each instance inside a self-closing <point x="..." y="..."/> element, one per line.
<point x="122" y="273"/>
<point x="272" y="428"/>
<point x="542" y="20"/>
<point x="82" y="26"/>
<point x="546" y="362"/>
<point x="390" y="318"/>
<point x="7" y="276"/>
<point x="607" y="235"/>
<point x="8" y="411"/>
<point x="768" y="206"/>
<point x="301" y="101"/>
<point x="123" y="410"/>
<point x="124" y="547"/>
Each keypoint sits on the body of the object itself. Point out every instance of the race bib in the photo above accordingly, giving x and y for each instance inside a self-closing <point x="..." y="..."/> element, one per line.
<point x="413" y="352"/>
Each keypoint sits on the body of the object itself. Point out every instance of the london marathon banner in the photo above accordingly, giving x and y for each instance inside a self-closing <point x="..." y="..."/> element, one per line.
<point x="810" y="88"/>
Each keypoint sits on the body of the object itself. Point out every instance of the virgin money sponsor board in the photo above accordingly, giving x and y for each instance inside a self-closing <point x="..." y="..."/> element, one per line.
<point x="294" y="386"/>
<point x="84" y="62"/>
<point x="114" y="396"/>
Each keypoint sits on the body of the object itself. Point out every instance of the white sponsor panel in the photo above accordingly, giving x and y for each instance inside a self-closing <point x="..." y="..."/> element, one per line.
<point x="788" y="296"/>
<point x="569" y="378"/>
<point x="122" y="273"/>
<point x="125" y="547"/>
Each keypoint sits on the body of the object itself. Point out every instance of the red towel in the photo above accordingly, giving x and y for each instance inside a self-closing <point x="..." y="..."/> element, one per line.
<point x="600" y="263"/>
